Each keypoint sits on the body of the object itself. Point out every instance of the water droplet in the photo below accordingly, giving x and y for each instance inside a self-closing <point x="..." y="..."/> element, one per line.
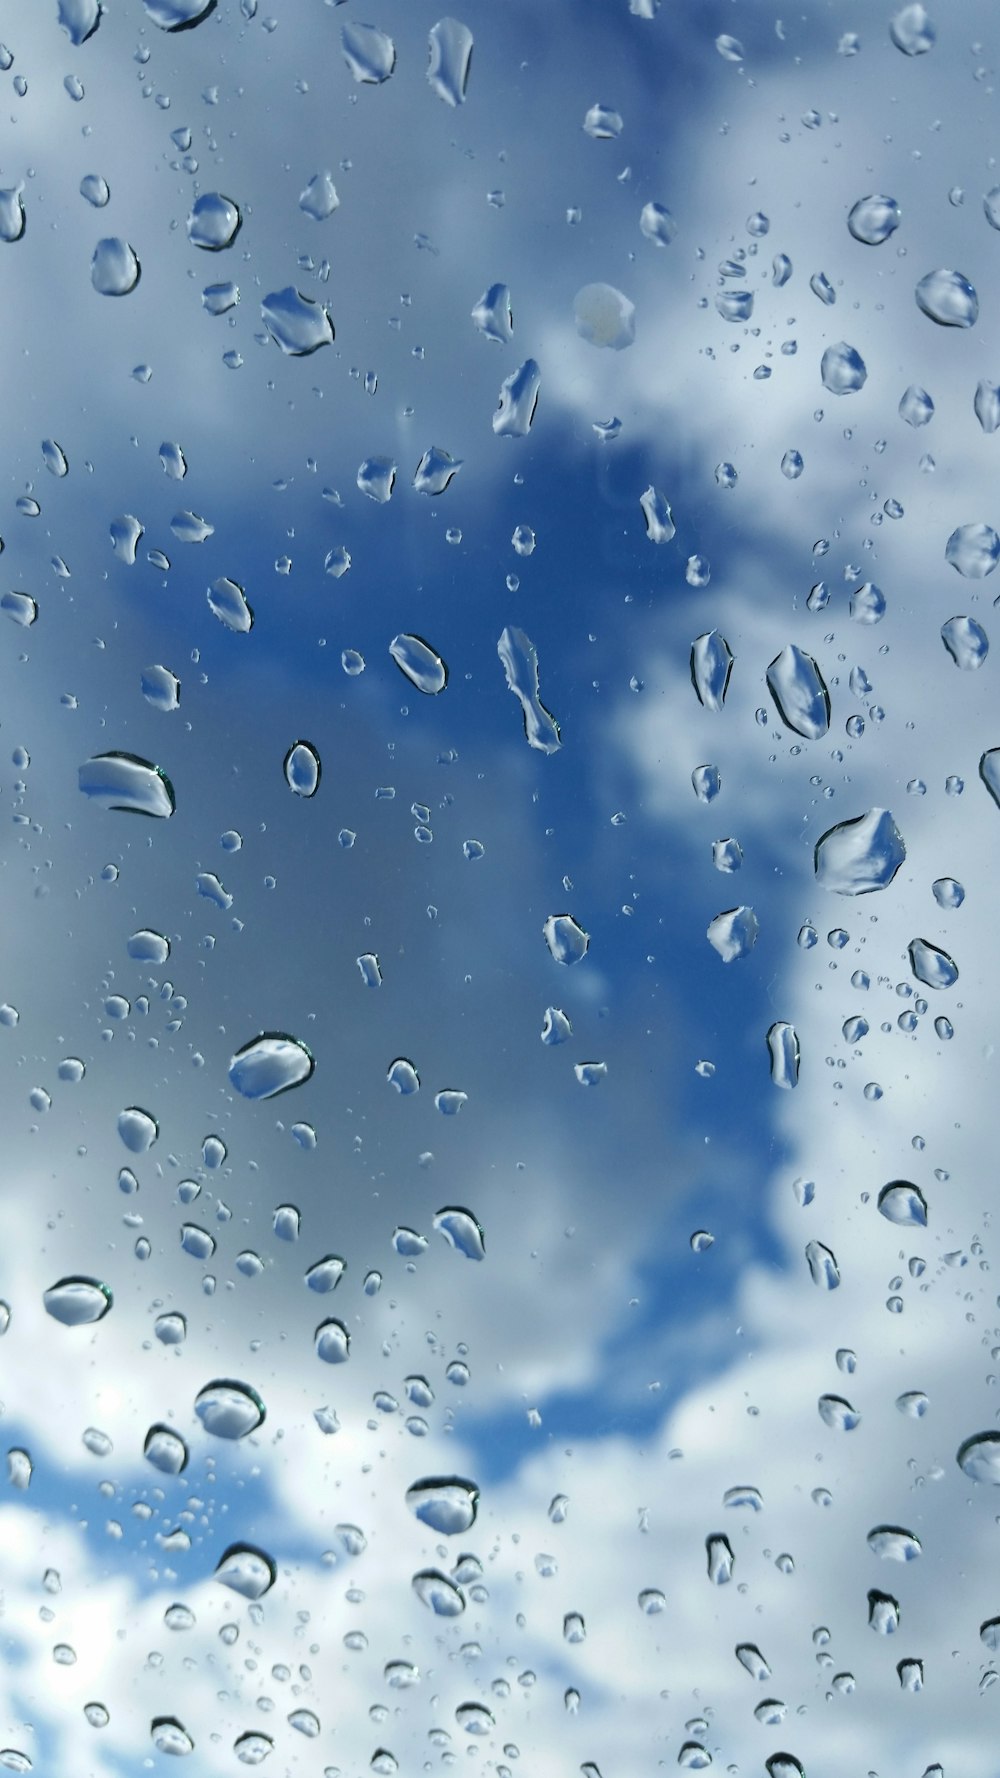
<point x="296" y="323"/>
<point x="137" y="1129"/>
<point x="734" y="933"/>
<point x="450" y="1101"/>
<point x="161" y="688"/>
<point x="948" y="298"/>
<point x="603" y="124"/>
<point x="799" y="691"/>
<point x="792" y="465"/>
<point x="911" y="30"/>
<point x="868" y="604"/>
<point x="931" y="965"/>
<point x="403" y="1076"/>
<point x="720" y="1560"/>
<point x="979" y="1457"/>
<point x="165" y="1450"/>
<point x="783" y="1048"/>
<point x="914" y="1404"/>
<point x="302" y="769"/>
<point x="448" y="1504"/>
<point x="872" y="220"/>
<point x="823" y="1267"/>
<point x="218" y="299"/>
<point x="332" y="1342"/>
<point x="834" y="1411"/>
<point x="518" y="401"/>
<point x="492" y="314"/>
<point x="169" y="1735"/>
<point x="326" y="1273"/>
<point x="214" y="222"/>
<point x="270" y="1064"/>
<point x="604" y="317"/>
<point x="369" y="53"/>
<point x="750" y="1657"/>
<point x="419" y="663"/>
<point x="986" y="402"/>
<point x="306" y="1722"/>
<point x="706" y="783"/>
<point x="461" y="1230"/>
<point x="711" y="668"/>
<point x="170" y="1329"/>
<point x="375" y="478"/>
<point x="435" y="471"/>
<point x="438" y="1592"/>
<point x="226" y="601"/>
<point x="566" y="939"/>
<point x="319" y="200"/>
<point x="77" y="1301"/>
<point x="97" y="1715"/>
<point x="450" y="45"/>
<point x="520" y="663"/>
<point x="246" y="1570"/>
<point x="693" y="1756"/>
<point x="883" y="1613"/>
<point x="12" y="219"/>
<point x="916" y="406"/>
<point x="178" y="15"/>
<point x="842" y="369"/>
<point x="197" y="1241"/>
<point x="228" y="1409"/>
<point x="734" y="305"/>
<point x="114" y="268"/>
<point x="893" y="1543"/>
<point x="784" y="1765"/>
<point x="252" y="1747"/>
<point x="127" y="784"/>
<point x="660" y="527"/>
<point x="71" y="1069"/>
<point x="20" y="607"/>
<point x="861" y="855"/>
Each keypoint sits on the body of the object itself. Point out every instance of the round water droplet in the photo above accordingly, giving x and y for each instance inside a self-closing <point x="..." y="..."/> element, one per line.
<point x="332" y="1342"/>
<point x="214" y="222"/>
<point x="461" y="1230"/>
<point x="842" y="369"/>
<point x="77" y="1301"/>
<point x="114" y="268"/>
<point x="439" y="1593"/>
<point x="302" y="769"/>
<point x="873" y="219"/>
<point x="252" y="1748"/>
<point x="165" y="1450"/>
<point x="912" y="31"/>
<point x="246" y="1570"/>
<point x="974" y="550"/>
<point x="979" y="1457"/>
<point x="228" y="1409"/>
<point x="834" y="1411"/>
<point x="169" y="1735"/>
<point x="566" y="939"/>
<point x="893" y="1543"/>
<point x="733" y="934"/>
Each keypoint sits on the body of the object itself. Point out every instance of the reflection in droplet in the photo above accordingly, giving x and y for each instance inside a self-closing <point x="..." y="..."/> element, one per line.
<point x="948" y="298"/>
<point x="903" y="1203"/>
<point x="165" y="1450"/>
<point x="750" y="1657"/>
<point x="783" y="1049"/>
<point x="989" y="771"/>
<point x="604" y="317"/>
<point x="296" y="323"/>
<point x="660" y="527"/>
<point x="214" y="222"/>
<point x="127" y="784"/>
<point x="893" y="1543"/>
<point x="861" y="855"/>
<point x="226" y="600"/>
<point x="137" y="1129"/>
<point x="873" y="219"/>
<point x="369" y="53"/>
<point x="719" y="1552"/>
<point x="883" y="1612"/>
<point x="439" y="1593"/>
<point x="931" y="965"/>
<point x="375" y="478"/>
<point x="435" y="471"/>
<point x="492" y="314"/>
<point x="916" y="406"/>
<point x="302" y="769"/>
<point x="461" y="1230"/>
<point x="974" y="550"/>
<point x="252" y="1748"/>
<point x="319" y="199"/>
<point x="403" y="1076"/>
<point x="979" y="1457"/>
<point x="986" y="401"/>
<point x="823" y="1267"/>
<point x="270" y="1064"/>
<point x="711" y="669"/>
<point x="657" y="224"/>
<point x="834" y="1411"/>
<point x="332" y="1342"/>
<point x="169" y="1735"/>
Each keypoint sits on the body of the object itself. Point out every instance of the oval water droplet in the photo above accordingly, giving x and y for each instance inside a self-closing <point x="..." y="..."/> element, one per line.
<point x="986" y="401"/>
<point x="657" y="224"/>
<point x="319" y="199"/>
<point x="912" y="31"/>
<point x="95" y="189"/>
<point x="750" y="1657"/>
<point x="883" y="1613"/>
<point x="784" y="1765"/>
<point x="229" y="1409"/>
<point x="931" y="965"/>
<point x="332" y="1342"/>
<point x="127" y="784"/>
<point x="326" y="1273"/>
<point x="979" y="1457"/>
<point x="948" y="298"/>
<point x="137" y="1129"/>
<point x="733" y="934"/>
<point x="873" y="219"/>
<point x="147" y="946"/>
<point x="298" y="324"/>
<point x="419" y="663"/>
<point x="520" y="664"/>
<point x="448" y="1504"/>
<point x="823" y="1267"/>
<point x="227" y="602"/>
<point x="171" y="1329"/>
<point x="966" y="642"/>
<point x="903" y="1203"/>
<point x="12" y="218"/>
<point x="77" y="1301"/>
<point x="842" y="369"/>
<point x="861" y="855"/>
<point x="893" y="1543"/>
<point x="302" y="769"/>
<point x="270" y="1064"/>
<point x="246" y="1570"/>
<point x="711" y="669"/>
<point x="252" y="1748"/>
<point x="114" y="267"/>
<point x="660" y="527"/>
<point x="461" y="1230"/>
<point x="165" y="1450"/>
<point x="435" y="471"/>
<point x="492" y="314"/>
<point x="800" y="693"/>
<point x="438" y="1592"/>
<point x="178" y="15"/>
<point x="973" y="550"/>
<point x="214" y="222"/>
<point x="566" y="939"/>
<point x="169" y="1735"/>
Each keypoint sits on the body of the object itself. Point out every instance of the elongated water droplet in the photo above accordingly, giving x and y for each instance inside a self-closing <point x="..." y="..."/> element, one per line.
<point x="226" y="600"/>
<point x="566" y="939"/>
<point x="750" y="1657"/>
<point x="375" y="478"/>
<point x="783" y="1049"/>
<point x="931" y="965"/>
<point x="986" y="401"/>
<point x="733" y="934"/>
<point x="966" y="642"/>
<point x="556" y="1026"/>
<point x="12" y="218"/>
<point x="77" y="1301"/>
<point x="127" y="784"/>
<point x="79" y="19"/>
<point x="720" y="1556"/>
<point x="842" y="369"/>
<point x="270" y="1064"/>
<point x="657" y="224"/>
<point x="883" y="1613"/>
<point x="165" y="1450"/>
<point x="823" y="1267"/>
<point x="660" y="527"/>
<point x="54" y="458"/>
<point x="369" y="53"/>
<point x="114" y="267"/>
<point x="448" y="1504"/>
<point x="246" y="1570"/>
<point x="520" y="664"/>
<point x="861" y="855"/>
<point x="20" y="608"/>
<point x="296" y="323"/>
<point x="973" y="550"/>
<point x="461" y="1230"/>
<point x="419" y="663"/>
<point x="799" y="691"/>
<point x="161" y="688"/>
<point x="873" y="219"/>
<point x="604" y="317"/>
<point x="229" y="1409"/>
<point x="492" y="314"/>
<point x="711" y="669"/>
<point x="948" y="298"/>
<point x="371" y="973"/>
<point x="450" y="46"/>
<point x="518" y="401"/>
<point x="332" y="1342"/>
<point x="403" y="1076"/>
<point x="903" y="1203"/>
<point x="95" y="189"/>
<point x="439" y="1593"/>
<point x="916" y="406"/>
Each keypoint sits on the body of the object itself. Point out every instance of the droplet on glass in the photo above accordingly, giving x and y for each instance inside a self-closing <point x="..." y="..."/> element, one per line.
<point x="229" y="1409"/>
<point x="604" y="317"/>
<point x="974" y="550"/>
<point x="449" y="44"/>
<point x="842" y="369"/>
<point x="712" y="662"/>
<point x="419" y="663"/>
<point x="462" y="1231"/>
<point x="296" y="323"/>
<point x="903" y="1203"/>
<point x="270" y="1064"/>
<point x="114" y="268"/>
<point x="302" y="769"/>
<point x="873" y="219"/>
<point x="861" y="855"/>
<point x="448" y="1504"/>
<point x="733" y="934"/>
<point x="800" y="693"/>
<point x="912" y="31"/>
<point x="369" y="53"/>
<point x="520" y="663"/>
<point x="246" y="1570"/>
<point x="783" y="1050"/>
<point x="518" y="401"/>
<point x="165" y="1450"/>
<point x="948" y="298"/>
<point x="566" y="939"/>
<point x="127" y="784"/>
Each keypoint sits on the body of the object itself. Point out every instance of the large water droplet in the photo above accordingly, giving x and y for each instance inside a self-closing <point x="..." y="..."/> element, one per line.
<point x="12" y="218"/>
<point x="518" y="401"/>
<point x="369" y="53"/>
<point x="127" y="784"/>
<point x="986" y="401"/>
<point x="834" y="1411"/>
<point x="842" y="369"/>
<point x="79" y="19"/>
<point x="270" y="1064"/>
<point x="114" y="268"/>
<point x="403" y="1076"/>
<point x="137" y="1129"/>
<point x="450" y="45"/>
<point x="733" y="933"/>
<point x="226" y="600"/>
<point x="319" y="200"/>
<point x="604" y="317"/>
<point x="419" y="663"/>
<point x="297" y="323"/>
<point x="492" y="314"/>
<point x="799" y="691"/>
<point x="246" y="1570"/>
<point x="326" y="1273"/>
<point x="77" y="1301"/>
<point x="872" y="220"/>
<point x="861" y="855"/>
<point x="171" y="1329"/>
<point x="178" y="15"/>
<point x="911" y="30"/>
<point x="332" y="1342"/>
<point x="602" y="123"/>
<point x="252" y="1748"/>
<point x="903" y="1203"/>
<point x="915" y="406"/>
<point x="165" y="1450"/>
<point x="750" y="1657"/>
<point x="161" y="688"/>
<point x="520" y="664"/>
<point x="989" y="771"/>
<point x="948" y="298"/>
<point x="719" y="1552"/>
<point x="783" y="1048"/>
<point x="893" y="1543"/>
<point x="302" y="769"/>
<point x="448" y="1504"/>
<point x="439" y="1593"/>
<point x="711" y="668"/>
<point x="214" y="222"/>
<point x="566" y="939"/>
<point x="228" y="1409"/>
<point x="435" y="471"/>
<point x="461" y="1230"/>
<point x="823" y="1267"/>
<point x="931" y="965"/>
<point x="966" y="642"/>
<point x="974" y="550"/>
<point x="169" y="1735"/>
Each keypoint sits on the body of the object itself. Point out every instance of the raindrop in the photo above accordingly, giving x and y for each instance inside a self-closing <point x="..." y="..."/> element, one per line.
<point x="837" y="1413"/>
<point x="306" y="1722"/>
<point x="861" y="855"/>
<point x="872" y="220"/>
<point x="868" y="604"/>
<point x="77" y="1301"/>
<point x="226" y="601"/>
<point x="948" y="298"/>
<point x="246" y="1570"/>
<point x="169" y="1735"/>
<point x="228" y="1409"/>
<point x="603" y="124"/>
<point x="911" y="30"/>
<point x="799" y="691"/>
<point x="660" y="527"/>
<point x="369" y="53"/>
<point x="270" y="1064"/>
<point x="19" y="1468"/>
<point x="403" y="1076"/>
<point x="165" y="1450"/>
<point x="720" y="1560"/>
<point x="989" y="771"/>
<point x="520" y="663"/>
<point x="784" y="1765"/>
<point x="296" y="323"/>
<point x="974" y="550"/>
<point x="657" y="224"/>
<point x="733" y="934"/>
<point x="375" y="478"/>
<point x="302" y="769"/>
<point x="419" y="663"/>
<point x="148" y="947"/>
<point x="783" y="1048"/>
<point x="435" y="471"/>
<point x="517" y="402"/>
<point x="492" y="314"/>
<point x="450" y="45"/>
<point x="750" y="1657"/>
<point x="931" y="965"/>
<point x="332" y="1342"/>
<point x="566" y="939"/>
<point x="95" y="189"/>
<point x="461" y="1230"/>
<point x="319" y="200"/>
<point x="842" y="369"/>
<point x="439" y="1593"/>
<point x="979" y="1457"/>
<point x="448" y="1504"/>
<point x="171" y="1329"/>
<point x="252" y="1748"/>
<point x="178" y="15"/>
<point x="986" y="401"/>
<point x="97" y="1715"/>
<point x="161" y="688"/>
<point x="711" y="669"/>
<point x="127" y="784"/>
<point x="916" y="406"/>
<point x="450" y="1101"/>
<point x="114" y="268"/>
<point x="214" y="222"/>
<point x="12" y="218"/>
<point x="604" y="317"/>
<point x="883" y="1613"/>
<point x="893" y="1543"/>
<point x="823" y="1267"/>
